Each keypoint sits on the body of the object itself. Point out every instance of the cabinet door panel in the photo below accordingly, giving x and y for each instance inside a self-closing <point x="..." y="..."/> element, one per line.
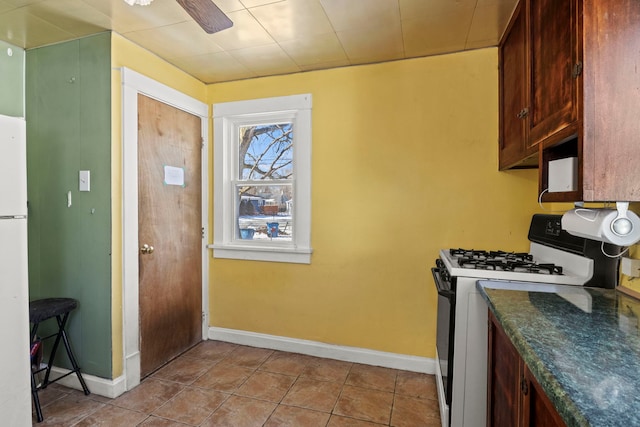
<point x="504" y="379"/>
<point x="611" y="100"/>
<point x="538" y="409"/>
<point x="553" y="50"/>
<point x="515" y="398"/>
<point x="513" y="124"/>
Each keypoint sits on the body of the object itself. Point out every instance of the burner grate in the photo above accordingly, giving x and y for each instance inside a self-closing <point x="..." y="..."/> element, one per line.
<point x="520" y="262"/>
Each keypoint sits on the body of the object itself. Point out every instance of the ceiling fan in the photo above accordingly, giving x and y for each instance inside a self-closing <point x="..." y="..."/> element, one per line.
<point x="207" y="15"/>
<point x="204" y="12"/>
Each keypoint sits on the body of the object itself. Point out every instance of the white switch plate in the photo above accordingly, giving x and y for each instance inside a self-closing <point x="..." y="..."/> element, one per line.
<point x="84" y="178"/>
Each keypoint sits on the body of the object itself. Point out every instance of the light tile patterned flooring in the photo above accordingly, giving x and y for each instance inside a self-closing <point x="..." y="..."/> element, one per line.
<point x="222" y="384"/>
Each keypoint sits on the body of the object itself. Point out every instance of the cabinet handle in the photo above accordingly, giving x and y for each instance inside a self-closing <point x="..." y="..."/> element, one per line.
<point x="524" y="386"/>
<point x="523" y="113"/>
<point x="577" y="69"/>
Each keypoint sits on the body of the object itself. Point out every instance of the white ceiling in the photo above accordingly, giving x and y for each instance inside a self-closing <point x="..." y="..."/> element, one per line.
<point x="269" y="37"/>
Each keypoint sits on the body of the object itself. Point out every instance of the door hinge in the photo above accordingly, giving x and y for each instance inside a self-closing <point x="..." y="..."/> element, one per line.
<point x="524" y="386"/>
<point x="203" y="315"/>
<point x="202" y="231"/>
<point x="577" y="69"/>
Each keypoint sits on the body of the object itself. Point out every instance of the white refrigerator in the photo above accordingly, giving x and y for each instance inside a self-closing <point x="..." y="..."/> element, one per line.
<point x="15" y="393"/>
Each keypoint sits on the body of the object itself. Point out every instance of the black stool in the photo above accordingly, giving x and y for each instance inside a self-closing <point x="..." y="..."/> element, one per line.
<point x="39" y="311"/>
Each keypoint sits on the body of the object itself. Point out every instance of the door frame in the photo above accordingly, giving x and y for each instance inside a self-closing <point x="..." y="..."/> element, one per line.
<point x="133" y="84"/>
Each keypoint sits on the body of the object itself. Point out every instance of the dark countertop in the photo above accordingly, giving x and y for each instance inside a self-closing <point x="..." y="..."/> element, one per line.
<point x="588" y="363"/>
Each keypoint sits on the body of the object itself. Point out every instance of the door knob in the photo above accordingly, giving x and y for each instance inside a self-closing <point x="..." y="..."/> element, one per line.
<point x="146" y="249"/>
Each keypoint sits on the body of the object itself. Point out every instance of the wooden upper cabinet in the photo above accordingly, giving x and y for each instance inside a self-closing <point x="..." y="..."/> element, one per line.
<point x="607" y="142"/>
<point x="581" y="96"/>
<point x="555" y="67"/>
<point x="514" y="148"/>
<point x="611" y="134"/>
<point x="540" y="77"/>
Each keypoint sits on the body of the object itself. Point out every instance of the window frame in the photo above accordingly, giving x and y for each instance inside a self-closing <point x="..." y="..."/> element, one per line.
<point x="227" y="118"/>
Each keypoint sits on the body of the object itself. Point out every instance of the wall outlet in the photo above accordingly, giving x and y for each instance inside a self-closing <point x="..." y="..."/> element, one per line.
<point x="630" y="267"/>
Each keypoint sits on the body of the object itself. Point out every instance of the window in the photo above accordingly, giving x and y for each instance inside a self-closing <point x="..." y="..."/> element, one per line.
<point x="262" y="179"/>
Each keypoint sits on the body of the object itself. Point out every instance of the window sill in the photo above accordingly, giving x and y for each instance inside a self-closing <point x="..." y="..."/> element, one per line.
<point x="295" y="256"/>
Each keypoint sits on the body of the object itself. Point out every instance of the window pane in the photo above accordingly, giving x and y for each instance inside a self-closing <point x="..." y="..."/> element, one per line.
<point x="265" y="212"/>
<point x="265" y="152"/>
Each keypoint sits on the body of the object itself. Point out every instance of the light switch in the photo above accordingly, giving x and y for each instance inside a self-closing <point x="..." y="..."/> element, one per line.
<point x="85" y="180"/>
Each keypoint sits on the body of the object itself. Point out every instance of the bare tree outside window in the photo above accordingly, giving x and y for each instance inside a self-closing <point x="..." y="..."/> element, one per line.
<point x="266" y="152"/>
<point x="264" y="186"/>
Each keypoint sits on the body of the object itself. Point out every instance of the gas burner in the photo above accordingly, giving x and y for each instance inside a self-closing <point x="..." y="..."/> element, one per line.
<point x="476" y="263"/>
<point x="511" y="256"/>
<point x="504" y="261"/>
<point x="548" y="268"/>
<point x="468" y="254"/>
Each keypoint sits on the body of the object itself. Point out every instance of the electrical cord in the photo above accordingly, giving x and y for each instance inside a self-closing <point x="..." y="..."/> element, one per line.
<point x="540" y="199"/>
<point x="540" y="202"/>
<point x="613" y="256"/>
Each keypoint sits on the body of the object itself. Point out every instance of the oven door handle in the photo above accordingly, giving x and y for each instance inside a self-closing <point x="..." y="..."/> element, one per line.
<point x="441" y="288"/>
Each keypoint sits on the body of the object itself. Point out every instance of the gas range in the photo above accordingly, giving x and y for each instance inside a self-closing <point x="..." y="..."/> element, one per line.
<point x="554" y="257"/>
<point x="540" y="264"/>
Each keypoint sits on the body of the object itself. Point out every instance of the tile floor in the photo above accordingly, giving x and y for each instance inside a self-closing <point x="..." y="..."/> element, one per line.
<point x="222" y="384"/>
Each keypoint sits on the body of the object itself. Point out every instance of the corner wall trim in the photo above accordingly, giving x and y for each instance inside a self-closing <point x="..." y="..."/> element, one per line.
<point x="313" y="348"/>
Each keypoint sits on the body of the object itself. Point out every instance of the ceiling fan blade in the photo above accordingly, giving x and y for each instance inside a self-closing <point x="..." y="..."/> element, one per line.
<point x="207" y="15"/>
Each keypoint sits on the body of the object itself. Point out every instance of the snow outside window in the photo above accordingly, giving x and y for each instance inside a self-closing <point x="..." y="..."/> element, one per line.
<point x="262" y="179"/>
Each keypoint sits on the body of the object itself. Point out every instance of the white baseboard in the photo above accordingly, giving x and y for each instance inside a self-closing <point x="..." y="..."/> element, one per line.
<point x="330" y="351"/>
<point x="100" y="386"/>
<point x="116" y="387"/>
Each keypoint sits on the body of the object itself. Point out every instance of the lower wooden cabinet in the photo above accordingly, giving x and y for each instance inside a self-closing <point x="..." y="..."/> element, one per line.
<point x="514" y="396"/>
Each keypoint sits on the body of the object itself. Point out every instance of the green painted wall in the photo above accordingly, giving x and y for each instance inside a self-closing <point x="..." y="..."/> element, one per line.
<point x="68" y="112"/>
<point x="11" y="80"/>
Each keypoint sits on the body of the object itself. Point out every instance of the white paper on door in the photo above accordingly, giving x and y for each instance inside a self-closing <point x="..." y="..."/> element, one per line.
<point x="174" y="176"/>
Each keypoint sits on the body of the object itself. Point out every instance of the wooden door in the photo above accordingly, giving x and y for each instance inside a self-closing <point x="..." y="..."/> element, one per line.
<point x="169" y="217"/>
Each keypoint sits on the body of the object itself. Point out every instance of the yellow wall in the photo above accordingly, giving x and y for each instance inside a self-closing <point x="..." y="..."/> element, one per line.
<point x="404" y="163"/>
<point x="127" y="54"/>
